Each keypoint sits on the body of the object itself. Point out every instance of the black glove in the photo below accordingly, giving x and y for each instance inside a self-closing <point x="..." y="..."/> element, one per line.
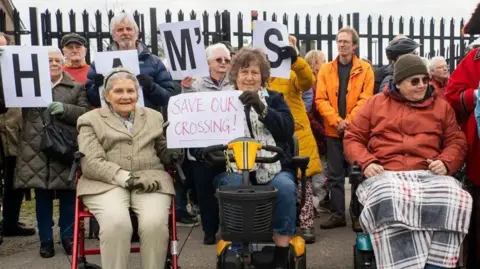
<point x="289" y="52"/>
<point x="146" y="82"/>
<point x="98" y="80"/>
<point x="252" y="99"/>
<point x="197" y="153"/>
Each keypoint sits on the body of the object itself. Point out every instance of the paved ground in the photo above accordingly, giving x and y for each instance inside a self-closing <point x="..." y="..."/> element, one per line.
<point x="333" y="250"/>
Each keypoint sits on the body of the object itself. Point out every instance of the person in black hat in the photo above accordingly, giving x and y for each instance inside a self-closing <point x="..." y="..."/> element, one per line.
<point x="399" y="46"/>
<point x="74" y="48"/>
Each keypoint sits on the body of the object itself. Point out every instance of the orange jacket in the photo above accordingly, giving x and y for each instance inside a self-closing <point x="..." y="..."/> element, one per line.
<point x="360" y="88"/>
<point x="401" y="135"/>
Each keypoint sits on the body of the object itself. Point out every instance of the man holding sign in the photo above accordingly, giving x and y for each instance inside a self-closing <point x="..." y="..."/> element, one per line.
<point x="154" y="78"/>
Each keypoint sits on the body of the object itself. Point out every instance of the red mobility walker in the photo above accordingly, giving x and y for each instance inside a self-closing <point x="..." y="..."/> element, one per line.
<point x="79" y="252"/>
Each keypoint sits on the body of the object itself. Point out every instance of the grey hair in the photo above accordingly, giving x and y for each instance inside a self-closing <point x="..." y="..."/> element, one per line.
<point x="431" y="63"/>
<point x="52" y="49"/>
<point x="210" y="50"/>
<point x="116" y="74"/>
<point x="126" y="18"/>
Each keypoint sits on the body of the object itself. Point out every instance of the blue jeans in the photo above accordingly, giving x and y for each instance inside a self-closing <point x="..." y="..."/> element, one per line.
<point x="44" y="209"/>
<point x="284" y="220"/>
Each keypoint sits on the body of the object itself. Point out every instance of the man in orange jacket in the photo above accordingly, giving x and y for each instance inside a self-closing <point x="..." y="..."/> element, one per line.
<point x="343" y="86"/>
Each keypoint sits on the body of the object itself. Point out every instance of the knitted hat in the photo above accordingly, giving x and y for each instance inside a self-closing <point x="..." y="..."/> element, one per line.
<point x="472" y="27"/>
<point x="408" y="65"/>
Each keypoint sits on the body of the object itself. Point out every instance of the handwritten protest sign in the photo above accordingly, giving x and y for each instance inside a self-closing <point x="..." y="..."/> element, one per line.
<point x="203" y="119"/>
<point x="107" y="60"/>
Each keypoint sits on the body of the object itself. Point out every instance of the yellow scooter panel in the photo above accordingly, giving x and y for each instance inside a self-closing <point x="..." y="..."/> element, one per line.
<point x="245" y="152"/>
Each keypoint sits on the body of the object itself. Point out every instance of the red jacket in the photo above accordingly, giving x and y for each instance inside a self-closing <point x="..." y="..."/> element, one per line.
<point x="459" y="93"/>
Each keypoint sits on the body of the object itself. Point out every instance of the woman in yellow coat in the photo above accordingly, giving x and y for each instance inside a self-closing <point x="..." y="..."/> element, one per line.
<point x="301" y="80"/>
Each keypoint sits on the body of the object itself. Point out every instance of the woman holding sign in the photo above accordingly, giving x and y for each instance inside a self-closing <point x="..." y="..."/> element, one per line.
<point x="269" y="122"/>
<point x="301" y="80"/>
<point x="124" y="167"/>
<point x="42" y="171"/>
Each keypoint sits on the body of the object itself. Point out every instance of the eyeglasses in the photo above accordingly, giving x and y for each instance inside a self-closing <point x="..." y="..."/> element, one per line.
<point x="416" y="81"/>
<point x="222" y="60"/>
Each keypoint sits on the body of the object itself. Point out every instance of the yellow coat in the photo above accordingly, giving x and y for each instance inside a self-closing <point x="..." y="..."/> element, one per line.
<point x="301" y="80"/>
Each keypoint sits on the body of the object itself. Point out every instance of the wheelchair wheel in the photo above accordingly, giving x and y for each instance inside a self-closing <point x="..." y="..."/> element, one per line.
<point x="363" y="259"/>
<point x="228" y="260"/>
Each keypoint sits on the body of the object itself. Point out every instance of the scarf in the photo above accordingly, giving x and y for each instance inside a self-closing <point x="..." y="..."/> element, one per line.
<point x="265" y="171"/>
<point x="127" y="122"/>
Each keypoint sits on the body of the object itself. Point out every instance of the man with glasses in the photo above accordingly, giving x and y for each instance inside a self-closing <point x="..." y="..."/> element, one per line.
<point x="343" y="87"/>
<point x="218" y="57"/>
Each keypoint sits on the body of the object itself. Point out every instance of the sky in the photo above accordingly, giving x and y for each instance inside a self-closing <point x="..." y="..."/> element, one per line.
<point x="386" y="8"/>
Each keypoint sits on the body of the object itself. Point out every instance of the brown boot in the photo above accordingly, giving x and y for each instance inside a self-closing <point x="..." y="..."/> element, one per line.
<point x="333" y="222"/>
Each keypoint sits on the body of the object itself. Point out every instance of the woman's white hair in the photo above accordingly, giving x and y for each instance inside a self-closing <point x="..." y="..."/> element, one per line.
<point x="125" y="18"/>
<point x="52" y="49"/>
<point x="434" y="61"/>
<point x="210" y="50"/>
<point x="116" y="74"/>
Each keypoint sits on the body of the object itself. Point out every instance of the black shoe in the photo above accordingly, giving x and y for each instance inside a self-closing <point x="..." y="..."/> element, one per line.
<point x="188" y="222"/>
<point x="17" y="230"/>
<point x="46" y="249"/>
<point x="333" y="222"/>
<point x="67" y="244"/>
<point x="308" y="234"/>
<point x="209" y="239"/>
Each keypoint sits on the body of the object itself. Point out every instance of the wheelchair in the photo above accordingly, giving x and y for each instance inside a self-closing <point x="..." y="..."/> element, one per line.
<point x="246" y="211"/>
<point x="363" y="254"/>
<point x="79" y="252"/>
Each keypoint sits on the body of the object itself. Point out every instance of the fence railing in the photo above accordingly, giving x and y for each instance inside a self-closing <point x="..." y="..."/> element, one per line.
<point x="451" y="44"/>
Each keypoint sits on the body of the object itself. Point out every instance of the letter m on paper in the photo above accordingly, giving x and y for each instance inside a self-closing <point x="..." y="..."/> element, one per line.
<point x="180" y="55"/>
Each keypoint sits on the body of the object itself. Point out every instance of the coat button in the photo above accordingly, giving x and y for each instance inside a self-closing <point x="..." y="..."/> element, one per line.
<point x="129" y="142"/>
<point x="129" y="157"/>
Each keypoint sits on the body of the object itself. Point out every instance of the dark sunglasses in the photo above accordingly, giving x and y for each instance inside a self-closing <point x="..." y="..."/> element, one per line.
<point x="221" y="60"/>
<point x="416" y="81"/>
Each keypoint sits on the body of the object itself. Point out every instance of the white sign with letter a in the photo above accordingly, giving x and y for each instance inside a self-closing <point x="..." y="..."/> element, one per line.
<point x="271" y="37"/>
<point x="105" y="61"/>
<point x="204" y="119"/>
<point x="184" y="48"/>
<point x="26" y="76"/>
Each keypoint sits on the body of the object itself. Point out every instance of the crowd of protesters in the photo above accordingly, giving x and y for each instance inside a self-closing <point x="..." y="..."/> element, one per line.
<point x="327" y="105"/>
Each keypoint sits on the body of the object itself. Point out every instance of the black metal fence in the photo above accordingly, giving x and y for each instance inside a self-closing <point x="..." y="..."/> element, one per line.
<point x="449" y="44"/>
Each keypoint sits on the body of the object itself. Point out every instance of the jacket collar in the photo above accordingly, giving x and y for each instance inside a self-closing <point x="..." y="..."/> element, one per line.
<point x="65" y="81"/>
<point x="112" y="121"/>
<point x="357" y="66"/>
<point x="395" y="94"/>
<point x="142" y="49"/>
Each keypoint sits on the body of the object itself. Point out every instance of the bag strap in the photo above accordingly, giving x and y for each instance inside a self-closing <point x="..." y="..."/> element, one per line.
<point x="43" y="118"/>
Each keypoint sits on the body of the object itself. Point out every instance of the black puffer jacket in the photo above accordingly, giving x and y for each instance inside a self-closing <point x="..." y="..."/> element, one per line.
<point x="34" y="169"/>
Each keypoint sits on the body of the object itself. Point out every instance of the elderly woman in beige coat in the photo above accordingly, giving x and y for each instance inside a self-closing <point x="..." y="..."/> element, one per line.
<point x="124" y="146"/>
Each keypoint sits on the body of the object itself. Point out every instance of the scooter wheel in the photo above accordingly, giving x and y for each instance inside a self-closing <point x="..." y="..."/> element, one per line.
<point x="363" y="259"/>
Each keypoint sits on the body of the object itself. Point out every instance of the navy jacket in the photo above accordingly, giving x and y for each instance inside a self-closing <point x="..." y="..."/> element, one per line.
<point x="149" y="64"/>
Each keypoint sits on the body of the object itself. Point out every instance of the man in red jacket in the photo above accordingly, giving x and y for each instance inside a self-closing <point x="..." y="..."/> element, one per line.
<point x="461" y="93"/>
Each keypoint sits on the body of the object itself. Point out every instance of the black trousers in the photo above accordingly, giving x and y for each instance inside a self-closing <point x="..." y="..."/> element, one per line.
<point x="12" y="200"/>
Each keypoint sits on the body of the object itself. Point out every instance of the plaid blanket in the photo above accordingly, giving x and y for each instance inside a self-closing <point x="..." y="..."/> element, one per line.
<point x="414" y="218"/>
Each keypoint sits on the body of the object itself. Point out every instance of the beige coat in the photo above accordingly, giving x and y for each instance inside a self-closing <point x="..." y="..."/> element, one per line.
<point x="109" y="147"/>
<point x="10" y="127"/>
